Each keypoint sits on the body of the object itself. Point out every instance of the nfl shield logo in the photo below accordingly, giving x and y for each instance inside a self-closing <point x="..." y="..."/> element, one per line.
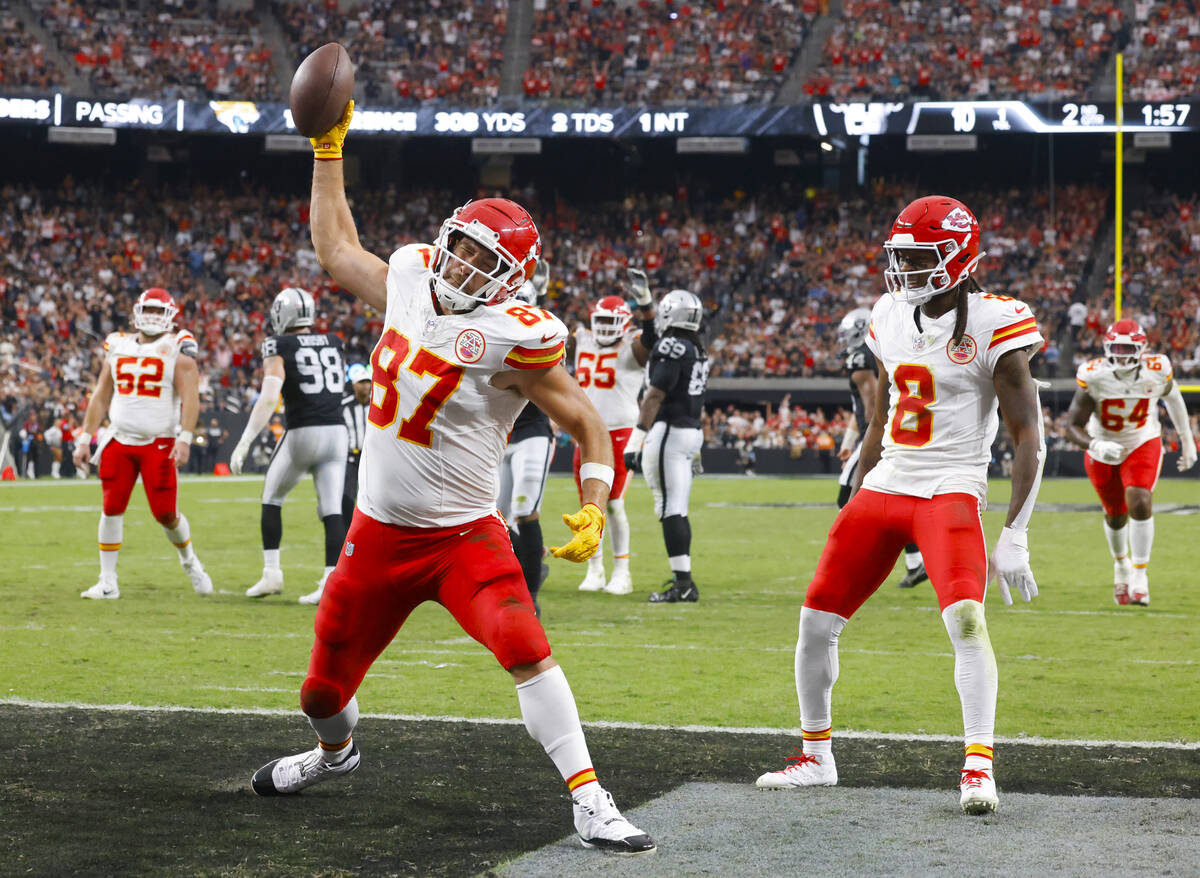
<point x="349" y="548"/>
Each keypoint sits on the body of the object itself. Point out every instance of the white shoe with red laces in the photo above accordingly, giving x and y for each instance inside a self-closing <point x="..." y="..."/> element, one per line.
<point x="1139" y="587"/>
<point x="805" y="770"/>
<point x="1122" y="570"/>
<point x="978" y="791"/>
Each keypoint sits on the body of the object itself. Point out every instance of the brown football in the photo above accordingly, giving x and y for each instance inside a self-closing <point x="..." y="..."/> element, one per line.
<point x="321" y="87"/>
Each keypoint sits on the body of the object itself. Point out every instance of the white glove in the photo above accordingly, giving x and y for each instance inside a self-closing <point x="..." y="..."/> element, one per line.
<point x="1106" y="451"/>
<point x="1009" y="565"/>
<point x="1187" y="457"/>
<point x="639" y="286"/>
<point x="238" y="459"/>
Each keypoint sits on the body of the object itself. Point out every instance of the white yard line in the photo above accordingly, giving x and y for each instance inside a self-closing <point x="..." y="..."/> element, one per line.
<point x="515" y="721"/>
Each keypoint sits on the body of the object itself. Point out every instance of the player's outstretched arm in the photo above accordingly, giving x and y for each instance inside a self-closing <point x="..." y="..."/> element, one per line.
<point x="639" y="288"/>
<point x="97" y="408"/>
<point x="331" y="224"/>
<point x="872" y="444"/>
<point x="564" y="402"/>
<point x="268" y="399"/>
<point x="1177" y="410"/>
<point x="187" y="385"/>
<point x="1022" y="412"/>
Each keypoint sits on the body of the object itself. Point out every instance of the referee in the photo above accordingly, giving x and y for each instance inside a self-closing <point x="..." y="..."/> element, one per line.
<point x="354" y="412"/>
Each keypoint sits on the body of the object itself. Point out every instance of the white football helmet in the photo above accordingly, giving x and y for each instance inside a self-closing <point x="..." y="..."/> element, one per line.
<point x="679" y="309"/>
<point x="853" y="328"/>
<point x="610" y="319"/>
<point x="154" y="312"/>
<point x="293" y="308"/>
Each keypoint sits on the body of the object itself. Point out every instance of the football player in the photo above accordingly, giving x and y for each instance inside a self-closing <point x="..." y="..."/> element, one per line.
<point x="666" y="441"/>
<point x="457" y="362"/>
<point x="610" y="358"/>
<point x="149" y="388"/>
<point x="860" y="365"/>
<point x="306" y="368"/>
<point x="525" y="467"/>
<point x="1117" y="401"/>
<point x="948" y="352"/>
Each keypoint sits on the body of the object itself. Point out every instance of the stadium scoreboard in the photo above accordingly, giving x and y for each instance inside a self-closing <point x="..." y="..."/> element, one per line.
<point x="822" y="119"/>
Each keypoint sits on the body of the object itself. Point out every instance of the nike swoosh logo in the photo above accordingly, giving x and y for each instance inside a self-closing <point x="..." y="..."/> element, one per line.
<point x="546" y="338"/>
<point x="1022" y="308"/>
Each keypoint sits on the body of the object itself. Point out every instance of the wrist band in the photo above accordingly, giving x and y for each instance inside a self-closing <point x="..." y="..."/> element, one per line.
<point x="186" y="436"/>
<point x="82" y="438"/>
<point x="598" y="471"/>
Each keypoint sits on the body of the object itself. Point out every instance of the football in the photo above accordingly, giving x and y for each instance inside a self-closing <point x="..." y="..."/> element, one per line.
<point x="321" y="87"/>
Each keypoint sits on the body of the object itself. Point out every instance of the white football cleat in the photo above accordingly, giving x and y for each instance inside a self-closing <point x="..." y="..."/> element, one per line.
<point x="201" y="581"/>
<point x="104" y="590"/>
<point x="314" y="597"/>
<point x="594" y="581"/>
<point x="806" y="770"/>
<point x="291" y="774"/>
<point x="1122" y="573"/>
<point x="271" y="583"/>
<point x="1139" y="587"/>
<point x="978" y="791"/>
<point x="600" y="825"/>
<point x="621" y="583"/>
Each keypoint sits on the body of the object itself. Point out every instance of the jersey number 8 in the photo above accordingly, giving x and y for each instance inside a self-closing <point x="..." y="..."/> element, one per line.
<point x="311" y="365"/>
<point x="912" y="425"/>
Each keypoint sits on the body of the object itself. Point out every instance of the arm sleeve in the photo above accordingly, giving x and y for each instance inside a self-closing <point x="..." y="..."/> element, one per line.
<point x="263" y="406"/>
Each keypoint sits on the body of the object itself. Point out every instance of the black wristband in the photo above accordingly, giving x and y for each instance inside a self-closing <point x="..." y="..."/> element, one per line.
<point x="649" y="334"/>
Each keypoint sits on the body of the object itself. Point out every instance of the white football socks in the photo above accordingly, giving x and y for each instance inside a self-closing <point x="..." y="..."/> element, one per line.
<point x="552" y="719"/>
<point x="334" y="732"/>
<point x="975" y="674"/>
<point x="270" y="559"/>
<point x="1141" y="540"/>
<point x="618" y="529"/>
<point x="816" y="672"/>
<point x="1118" y="541"/>
<point x="913" y="560"/>
<point x="109" y="537"/>
<point x="181" y="536"/>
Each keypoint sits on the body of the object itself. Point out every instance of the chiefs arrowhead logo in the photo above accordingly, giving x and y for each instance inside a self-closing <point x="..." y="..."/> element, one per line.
<point x="957" y="220"/>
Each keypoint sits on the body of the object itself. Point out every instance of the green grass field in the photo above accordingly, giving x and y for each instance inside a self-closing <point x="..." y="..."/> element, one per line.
<point x="1073" y="665"/>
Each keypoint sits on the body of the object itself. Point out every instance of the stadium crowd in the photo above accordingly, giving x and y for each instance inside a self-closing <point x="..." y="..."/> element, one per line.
<point x="777" y="268"/>
<point x="729" y="52"/>
<point x="1162" y="58"/>
<point x="23" y="59"/>
<point x="189" y="49"/>
<point x="416" y="51"/>
<point x="982" y="49"/>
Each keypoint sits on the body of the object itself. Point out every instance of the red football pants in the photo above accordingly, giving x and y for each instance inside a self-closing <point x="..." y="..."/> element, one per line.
<point x="385" y="571"/>
<point x="620" y="438"/>
<point x="118" y="471"/>
<point x="1139" y="470"/>
<point x="869" y="533"/>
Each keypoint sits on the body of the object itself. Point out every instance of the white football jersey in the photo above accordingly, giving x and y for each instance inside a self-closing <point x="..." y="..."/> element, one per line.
<point x="942" y="411"/>
<point x="145" y="404"/>
<point x="610" y="376"/>
<point x="1126" y="408"/>
<point x="437" y="428"/>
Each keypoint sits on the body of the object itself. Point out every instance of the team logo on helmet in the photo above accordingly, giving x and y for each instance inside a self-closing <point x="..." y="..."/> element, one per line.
<point x="963" y="352"/>
<point x="469" y="346"/>
<point x="957" y="220"/>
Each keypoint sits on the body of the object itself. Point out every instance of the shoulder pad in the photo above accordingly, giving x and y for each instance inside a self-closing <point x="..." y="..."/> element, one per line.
<point x="859" y="359"/>
<point x="412" y="257"/>
<point x="1001" y="310"/>
<point x="672" y="348"/>
<point x="270" y="346"/>
<point x="187" y="343"/>
<point x="534" y="344"/>
<point x="112" y="338"/>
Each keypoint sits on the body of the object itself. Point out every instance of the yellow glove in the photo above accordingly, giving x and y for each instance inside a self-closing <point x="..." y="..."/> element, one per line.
<point x="328" y="146"/>
<point x="587" y="525"/>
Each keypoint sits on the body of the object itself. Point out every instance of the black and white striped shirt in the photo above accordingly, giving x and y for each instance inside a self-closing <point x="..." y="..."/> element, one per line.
<point x="354" y="414"/>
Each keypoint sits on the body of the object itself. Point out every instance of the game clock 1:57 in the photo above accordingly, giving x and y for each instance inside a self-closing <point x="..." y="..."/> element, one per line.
<point x="1165" y="115"/>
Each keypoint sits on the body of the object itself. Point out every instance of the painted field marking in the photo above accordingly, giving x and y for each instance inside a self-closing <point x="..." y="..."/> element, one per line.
<point x="865" y="735"/>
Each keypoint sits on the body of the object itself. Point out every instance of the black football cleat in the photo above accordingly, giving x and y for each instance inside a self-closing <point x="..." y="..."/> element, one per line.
<point x="913" y="578"/>
<point x="679" y="592"/>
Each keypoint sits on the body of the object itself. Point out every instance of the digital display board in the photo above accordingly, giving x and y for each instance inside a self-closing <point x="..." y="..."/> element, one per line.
<point x="843" y="119"/>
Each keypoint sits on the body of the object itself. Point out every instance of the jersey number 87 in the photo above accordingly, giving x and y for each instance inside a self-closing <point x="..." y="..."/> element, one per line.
<point x="389" y="355"/>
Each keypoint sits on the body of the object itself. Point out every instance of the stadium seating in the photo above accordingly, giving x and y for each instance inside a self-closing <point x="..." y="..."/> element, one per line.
<point x="985" y="49"/>
<point x="23" y="60"/>
<point x="1162" y="59"/>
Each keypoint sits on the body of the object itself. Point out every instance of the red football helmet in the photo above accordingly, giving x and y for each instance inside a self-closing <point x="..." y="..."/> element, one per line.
<point x="154" y="312"/>
<point x="1124" y="343"/>
<point x="941" y="226"/>
<point x="611" y="317"/>
<point x="499" y="226"/>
